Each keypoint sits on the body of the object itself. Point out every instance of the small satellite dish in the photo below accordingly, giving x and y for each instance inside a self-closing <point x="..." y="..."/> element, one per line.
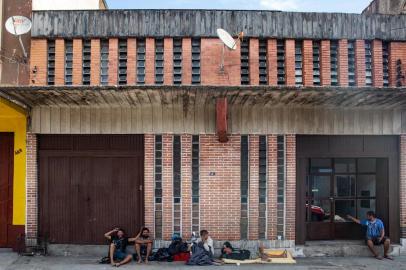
<point x="227" y="39"/>
<point x="18" y="25"/>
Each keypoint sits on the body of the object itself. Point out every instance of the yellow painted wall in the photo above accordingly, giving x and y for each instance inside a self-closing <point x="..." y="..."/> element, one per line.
<point x="13" y="119"/>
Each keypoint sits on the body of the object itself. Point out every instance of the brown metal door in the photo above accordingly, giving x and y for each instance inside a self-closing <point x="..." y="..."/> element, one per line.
<point x="89" y="184"/>
<point x="6" y="186"/>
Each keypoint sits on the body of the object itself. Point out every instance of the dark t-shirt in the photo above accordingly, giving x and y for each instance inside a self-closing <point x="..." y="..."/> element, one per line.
<point x="120" y="243"/>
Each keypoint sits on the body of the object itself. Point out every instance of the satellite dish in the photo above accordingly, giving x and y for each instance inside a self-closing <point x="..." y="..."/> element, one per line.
<point x="18" y="25"/>
<point x="227" y="39"/>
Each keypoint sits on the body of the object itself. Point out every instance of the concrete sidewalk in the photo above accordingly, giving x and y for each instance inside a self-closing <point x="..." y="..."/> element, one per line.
<point x="11" y="261"/>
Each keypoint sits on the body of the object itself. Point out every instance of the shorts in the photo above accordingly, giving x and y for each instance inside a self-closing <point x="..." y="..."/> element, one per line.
<point x="377" y="242"/>
<point x="119" y="255"/>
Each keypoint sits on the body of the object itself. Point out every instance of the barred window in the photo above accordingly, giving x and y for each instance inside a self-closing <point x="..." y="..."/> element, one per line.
<point x="196" y="60"/>
<point x="245" y="59"/>
<point x="280" y="50"/>
<point x="158" y="186"/>
<point x="263" y="187"/>
<point x="244" y="187"/>
<point x="280" y="187"/>
<point x="263" y="62"/>
<point x="177" y="61"/>
<point x="51" y="63"/>
<point x="104" y="62"/>
<point x="351" y="63"/>
<point x="177" y="184"/>
<point x="316" y="63"/>
<point x="334" y="62"/>
<point x="298" y="63"/>
<point x="68" y="62"/>
<point x="159" y="61"/>
<point x="385" y="59"/>
<point x="195" y="184"/>
<point x="141" y="61"/>
<point x="368" y="63"/>
<point x="122" y="61"/>
<point x="86" y="62"/>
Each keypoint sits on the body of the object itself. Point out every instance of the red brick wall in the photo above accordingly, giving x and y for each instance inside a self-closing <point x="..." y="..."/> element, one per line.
<point x="325" y="63"/>
<point x="290" y="192"/>
<point x="38" y="60"/>
<point x="77" y="62"/>
<point x="149" y="61"/>
<point x="343" y="62"/>
<point x="377" y="64"/>
<point x="32" y="190"/>
<point x="403" y="184"/>
<point x="290" y="62"/>
<point x="272" y="62"/>
<point x="307" y="62"/>
<point x="211" y="51"/>
<point x="167" y="186"/>
<point x="187" y="61"/>
<point x="397" y="50"/>
<point x="360" y="63"/>
<point x="113" y="61"/>
<point x="254" y="61"/>
<point x="95" y="62"/>
<point x="168" y="61"/>
<point x="149" y="142"/>
<point x="272" y="186"/>
<point x="131" y="61"/>
<point x="59" y="62"/>
<point x="186" y="141"/>
<point x="253" y="206"/>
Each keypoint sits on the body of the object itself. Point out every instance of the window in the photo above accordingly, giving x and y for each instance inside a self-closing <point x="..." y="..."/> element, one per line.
<point x="334" y="62"/>
<point x="177" y="61"/>
<point x="385" y="59"/>
<point x="280" y="50"/>
<point x="195" y="60"/>
<point x="122" y="61"/>
<point x="316" y="63"/>
<point x="51" y="63"/>
<point x="159" y="61"/>
<point x="244" y="187"/>
<point x="263" y="188"/>
<point x="280" y="225"/>
<point x="368" y="63"/>
<point x="263" y="62"/>
<point x="245" y="59"/>
<point x="298" y="63"/>
<point x="141" y="61"/>
<point x="68" y="62"/>
<point x="86" y="62"/>
<point x="351" y="63"/>
<point x="104" y="62"/>
<point x="158" y="186"/>
<point x="195" y="184"/>
<point x="177" y="184"/>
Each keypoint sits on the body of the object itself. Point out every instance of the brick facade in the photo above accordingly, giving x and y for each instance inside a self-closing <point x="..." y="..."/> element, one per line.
<point x="113" y="61"/>
<point x="402" y="186"/>
<point x="168" y="61"/>
<point x="59" y="61"/>
<point x="253" y="205"/>
<point x="186" y="190"/>
<point x="272" y="62"/>
<point x="38" y="62"/>
<point x="149" y="141"/>
<point x="397" y="51"/>
<point x="377" y="63"/>
<point x="167" y="186"/>
<point x="290" y="189"/>
<point x="360" y="63"/>
<point x="254" y="61"/>
<point x="186" y="61"/>
<point x="131" y="61"/>
<point x="343" y="62"/>
<point x="95" y="62"/>
<point x="77" y="77"/>
<point x="307" y="53"/>
<point x="149" y="61"/>
<point x="325" y="63"/>
<point x="290" y="62"/>
<point x="32" y="191"/>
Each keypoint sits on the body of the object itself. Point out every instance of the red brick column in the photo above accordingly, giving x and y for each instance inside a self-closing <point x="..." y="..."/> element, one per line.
<point x="167" y="186"/>
<point x="360" y="63"/>
<point x="150" y="61"/>
<point x="131" y="61"/>
<point x="149" y="181"/>
<point x="32" y="191"/>
<point x="77" y="62"/>
<point x="325" y="63"/>
<point x="253" y="206"/>
<point x="397" y="51"/>
<point x="307" y="62"/>
<point x="254" y="61"/>
<point x="38" y="62"/>
<point x="272" y="186"/>
<point x="290" y="62"/>
<point x="59" y="61"/>
<point x="168" y="61"/>
<point x="377" y="63"/>
<point x="290" y="192"/>
<point x="186" y="141"/>
<point x="113" y="61"/>
<point x="272" y="62"/>
<point x="187" y="61"/>
<point x="403" y="186"/>
<point x="95" y="62"/>
<point x="343" y="62"/>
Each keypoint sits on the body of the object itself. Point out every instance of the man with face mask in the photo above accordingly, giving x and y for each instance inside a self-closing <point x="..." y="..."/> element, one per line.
<point x="375" y="234"/>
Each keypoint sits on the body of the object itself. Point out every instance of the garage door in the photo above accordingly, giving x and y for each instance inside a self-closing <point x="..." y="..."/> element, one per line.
<point x="88" y="184"/>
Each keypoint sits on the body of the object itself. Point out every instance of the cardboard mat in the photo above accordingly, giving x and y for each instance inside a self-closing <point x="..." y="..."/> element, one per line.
<point x="276" y="257"/>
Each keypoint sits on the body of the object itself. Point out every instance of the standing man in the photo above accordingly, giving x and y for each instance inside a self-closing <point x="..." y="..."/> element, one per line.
<point x="143" y="245"/>
<point x="119" y="242"/>
<point x="375" y="234"/>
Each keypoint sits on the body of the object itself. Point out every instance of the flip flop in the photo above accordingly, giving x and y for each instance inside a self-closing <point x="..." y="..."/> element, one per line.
<point x="388" y="258"/>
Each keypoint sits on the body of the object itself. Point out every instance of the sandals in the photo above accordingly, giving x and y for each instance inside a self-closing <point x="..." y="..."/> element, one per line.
<point x="388" y="257"/>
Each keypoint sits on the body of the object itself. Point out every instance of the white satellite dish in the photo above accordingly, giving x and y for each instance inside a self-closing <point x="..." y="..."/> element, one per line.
<point x="17" y="26"/>
<point x="227" y="39"/>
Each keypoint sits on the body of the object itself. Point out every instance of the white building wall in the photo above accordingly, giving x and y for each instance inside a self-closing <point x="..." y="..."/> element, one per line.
<point x="65" y="4"/>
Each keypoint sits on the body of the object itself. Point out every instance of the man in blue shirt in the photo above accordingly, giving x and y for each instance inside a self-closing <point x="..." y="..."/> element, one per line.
<point x="375" y="234"/>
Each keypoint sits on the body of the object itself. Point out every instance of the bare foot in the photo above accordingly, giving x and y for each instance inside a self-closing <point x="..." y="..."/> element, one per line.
<point x="146" y="261"/>
<point x="139" y="261"/>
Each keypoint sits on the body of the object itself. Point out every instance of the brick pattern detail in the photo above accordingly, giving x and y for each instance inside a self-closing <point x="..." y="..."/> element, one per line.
<point x="168" y="61"/>
<point x="290" y="197"/>
<point x="377" y="63"/>
<point x="167" y="186"/>
<point x="211" y="51"/>
<point x="77" y="62"/>
<point x="39" y="51"/>
<point x="272" y="186"/>
<point x="307" y="53"/>
<point x="186" y="141"/>
<point x="59" y="61"/>
<point x="360" y="63"/>
<point x="290" y="62"/>
<point x="113" y="61"/>
<point x="187" y="61"/>
<point x="343" y="62"/>
<point x="131" y="61"/>
<point x="95" y="62"/>
<point x="32" y="190"/>
<point x="325" y="63"/>
<point x="397" y="51"/>
<point x="403" y="185"/>
<point x="222" y="216"/>
<point x="149" y="163"/>
<point x="254" y="61"/>
<point x="150" y="61"/>
<point x="272" y="62"/>
<point x="253" y="206"/>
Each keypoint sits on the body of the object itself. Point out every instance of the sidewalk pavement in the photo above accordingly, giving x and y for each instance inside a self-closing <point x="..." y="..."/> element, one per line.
<point x="11" y="261"/>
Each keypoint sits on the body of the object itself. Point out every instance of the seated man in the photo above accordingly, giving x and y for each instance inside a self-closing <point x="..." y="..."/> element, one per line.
<point x="375" y="234"/>
<point x="207" y="242"/>
<point x="118" y="247"/>
<point x="143" y="245"/>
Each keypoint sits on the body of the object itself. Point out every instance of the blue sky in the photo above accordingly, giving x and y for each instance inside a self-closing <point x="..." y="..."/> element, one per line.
<point x="350" y="6"/>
